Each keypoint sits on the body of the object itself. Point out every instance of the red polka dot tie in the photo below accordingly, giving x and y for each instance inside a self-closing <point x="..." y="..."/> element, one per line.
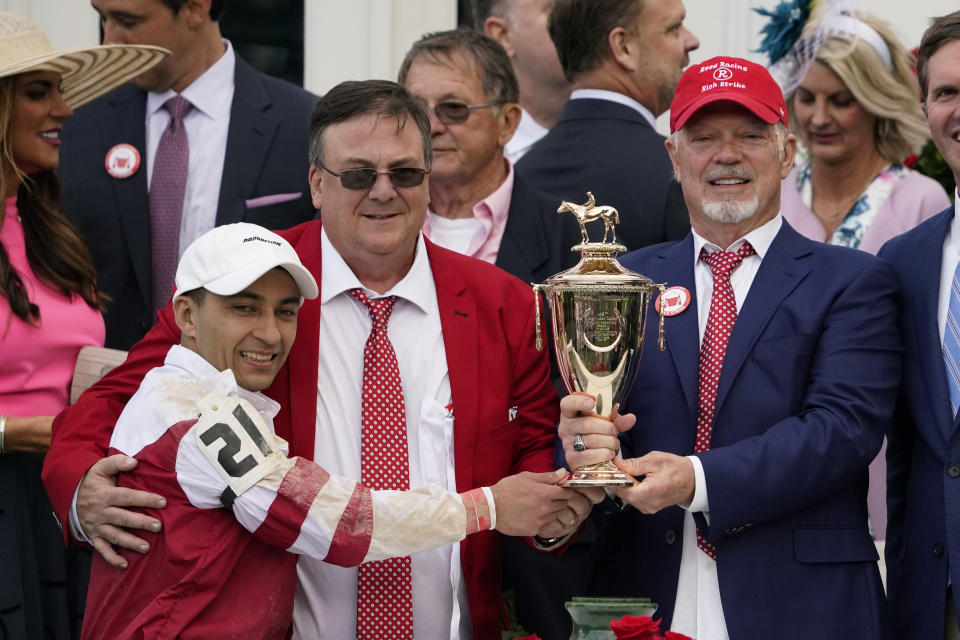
<point x="384" y="592"/>
<point x="723" y="313"/>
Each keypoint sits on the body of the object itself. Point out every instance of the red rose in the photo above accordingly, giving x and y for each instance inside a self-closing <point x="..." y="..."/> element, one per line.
<point x="673" y="635"/>
<point x="530" y="637"/>
<point x="636" y="628"/>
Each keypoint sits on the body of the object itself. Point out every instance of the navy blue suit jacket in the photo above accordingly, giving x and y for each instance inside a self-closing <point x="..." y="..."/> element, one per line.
<point x="266" y="154"/>
<point x="610" y="149"/>
<point x="807" y="387"/>
<point x="923" y="483"/>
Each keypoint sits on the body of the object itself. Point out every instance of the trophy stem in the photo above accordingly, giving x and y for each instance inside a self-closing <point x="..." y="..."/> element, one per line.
<point x="602" y="474"/>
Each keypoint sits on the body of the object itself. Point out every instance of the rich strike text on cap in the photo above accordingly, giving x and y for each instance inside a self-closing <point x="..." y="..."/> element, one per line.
<point x="727" y="79"/>
<point x="228" y="259"/>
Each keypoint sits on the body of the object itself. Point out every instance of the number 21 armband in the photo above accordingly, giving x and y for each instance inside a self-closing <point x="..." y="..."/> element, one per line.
<point x="237" y="442"/>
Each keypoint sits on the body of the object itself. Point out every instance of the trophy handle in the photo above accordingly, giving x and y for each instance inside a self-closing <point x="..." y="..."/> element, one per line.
<point x="661" y="338"/>
<point x="536" y="306"/>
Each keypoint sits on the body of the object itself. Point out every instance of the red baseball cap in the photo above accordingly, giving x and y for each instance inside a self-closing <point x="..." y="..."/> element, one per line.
<point x="732" y="79"/>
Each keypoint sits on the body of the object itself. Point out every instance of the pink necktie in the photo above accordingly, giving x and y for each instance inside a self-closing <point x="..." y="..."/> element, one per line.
<point x="167" y="185"/>
<point x="723" y="313"/>
<point x="384" y="589"/>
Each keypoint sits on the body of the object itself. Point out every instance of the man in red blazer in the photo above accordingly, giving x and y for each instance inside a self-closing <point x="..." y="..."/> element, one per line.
<point x="465" y="354"/>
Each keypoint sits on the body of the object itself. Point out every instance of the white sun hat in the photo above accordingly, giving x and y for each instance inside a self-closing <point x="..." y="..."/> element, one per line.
<point x="85" y="73"/>
<point x="229" y="258"/>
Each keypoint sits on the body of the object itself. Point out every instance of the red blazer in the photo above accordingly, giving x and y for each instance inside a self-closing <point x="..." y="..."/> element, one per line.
<point x="487" y="318"/>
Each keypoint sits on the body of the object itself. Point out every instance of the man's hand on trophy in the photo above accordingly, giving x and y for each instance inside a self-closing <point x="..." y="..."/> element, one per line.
<point x="526" y="502"/>
<point x="588" y="438"/>
<point x="668" y="480"/>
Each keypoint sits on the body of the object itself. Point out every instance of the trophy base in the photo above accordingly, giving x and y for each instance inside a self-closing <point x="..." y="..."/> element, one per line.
<point x="603" y="474"/>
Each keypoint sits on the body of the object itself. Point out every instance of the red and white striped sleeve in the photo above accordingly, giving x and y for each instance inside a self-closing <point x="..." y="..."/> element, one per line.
<point x="295" y="504"/>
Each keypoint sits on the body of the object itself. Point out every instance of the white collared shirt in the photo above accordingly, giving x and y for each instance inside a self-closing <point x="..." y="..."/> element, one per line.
<point x="613" y="96"/>
<point x="528" y="133"/>
<point x="326" y="601"/>
<point x="698" y="612"/>
<point x="951" y="257"/>
<point x="206" y="125"/>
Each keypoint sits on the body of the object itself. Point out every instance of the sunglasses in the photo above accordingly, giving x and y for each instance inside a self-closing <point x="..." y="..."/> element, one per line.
<point x="366" y="177"/>
<point x="453" y="112"/>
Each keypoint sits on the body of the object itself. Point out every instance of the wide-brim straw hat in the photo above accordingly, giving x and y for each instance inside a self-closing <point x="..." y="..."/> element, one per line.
<point x="85" y="73"/>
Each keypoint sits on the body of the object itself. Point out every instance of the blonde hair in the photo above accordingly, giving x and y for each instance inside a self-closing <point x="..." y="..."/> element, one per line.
<point x="891" y="94"/>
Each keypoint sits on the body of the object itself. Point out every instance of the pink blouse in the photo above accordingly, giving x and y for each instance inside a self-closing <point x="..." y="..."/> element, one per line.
<point x="36" y="362"/>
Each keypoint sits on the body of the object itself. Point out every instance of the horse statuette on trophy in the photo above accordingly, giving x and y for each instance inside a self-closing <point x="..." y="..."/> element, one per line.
<point x="599" y="316"/>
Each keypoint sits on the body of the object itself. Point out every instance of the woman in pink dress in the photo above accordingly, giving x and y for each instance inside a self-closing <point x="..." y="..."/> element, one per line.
<point x="49" y="309"/>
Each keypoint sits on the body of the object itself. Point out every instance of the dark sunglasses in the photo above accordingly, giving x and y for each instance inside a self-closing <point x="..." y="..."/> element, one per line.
<point x="453" y="112"/>
<point x="366" y="177"/>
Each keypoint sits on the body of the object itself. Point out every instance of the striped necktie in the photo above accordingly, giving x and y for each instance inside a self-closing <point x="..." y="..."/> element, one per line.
<point x="951" y="342"/>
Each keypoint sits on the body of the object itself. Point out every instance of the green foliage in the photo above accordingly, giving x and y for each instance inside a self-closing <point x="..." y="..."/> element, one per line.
<point x="931" y="164"/>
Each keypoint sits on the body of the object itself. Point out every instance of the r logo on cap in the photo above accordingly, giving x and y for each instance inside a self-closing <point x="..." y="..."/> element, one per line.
<point x="722" y="74"/>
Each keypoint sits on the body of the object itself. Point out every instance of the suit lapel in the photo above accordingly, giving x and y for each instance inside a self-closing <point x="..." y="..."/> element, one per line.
<point x="682" y="331"/>
<point x="922" y="287"/>
<point x="248" y="140"/>
<point x="458" y="321"/>
<point x="125" y="123"/>
<point x="780" y="272"/>
<point x="302" y="364"/>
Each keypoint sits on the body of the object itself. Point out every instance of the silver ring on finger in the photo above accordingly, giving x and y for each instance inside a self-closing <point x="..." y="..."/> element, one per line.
<point x="578" y="444"/>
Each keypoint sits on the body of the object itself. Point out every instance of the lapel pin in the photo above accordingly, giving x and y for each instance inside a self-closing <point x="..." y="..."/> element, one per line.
<point x="122" y="161"/>
<point x="675" y="301"/>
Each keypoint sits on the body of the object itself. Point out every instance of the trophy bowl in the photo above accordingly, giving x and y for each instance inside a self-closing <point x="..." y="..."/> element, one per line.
<point x="599" y="315"/>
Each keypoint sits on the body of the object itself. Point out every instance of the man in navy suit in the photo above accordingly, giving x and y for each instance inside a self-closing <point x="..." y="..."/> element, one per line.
<point x="624" y="58"/>
<point x="923" y="454"/>
<point x="247" y="149"/>
<point x="756" y="425"/>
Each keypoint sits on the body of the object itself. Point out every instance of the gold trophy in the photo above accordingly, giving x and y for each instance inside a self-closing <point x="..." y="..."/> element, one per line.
<point x="599" y="313"/>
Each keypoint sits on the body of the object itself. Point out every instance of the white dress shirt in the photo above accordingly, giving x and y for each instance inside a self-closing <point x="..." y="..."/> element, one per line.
<point x="528" y="133"/>
<point x="698" y="612"/>
<point x="206" y="124"/>
<point x="326" y="601"/>
<point x="613" y="96"/>
<point x="951" y="257"/>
